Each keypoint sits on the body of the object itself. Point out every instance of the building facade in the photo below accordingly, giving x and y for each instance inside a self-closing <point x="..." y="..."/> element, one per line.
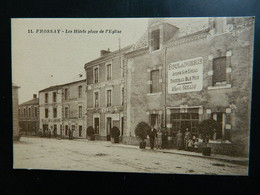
<point x="29" y="116"/>
<point x="63" y="108"/>
<point x="51" y="109"/>
<point x="74" y="108"/>
<point x="105" y="80"/>
<point x="175" y="80"/>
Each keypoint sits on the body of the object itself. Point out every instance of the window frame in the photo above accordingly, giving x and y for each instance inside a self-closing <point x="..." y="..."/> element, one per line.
<point x="46" y="97"/>
<point x="151" y="85"/>
<point x="46" y="113"/>
<point x="80" y="112"/>
<point x="80" y="89"/>
<point x="108" y="72"/>
<point x="54" y="97"/>
<point x="111" y="97"/>
<point x="94" y="99"/>
<point x="95" y="80"/>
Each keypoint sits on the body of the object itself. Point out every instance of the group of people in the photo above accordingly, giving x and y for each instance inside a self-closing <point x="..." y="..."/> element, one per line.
<point x="187" y="141"/>
<point x="158" y="139"/>
<point x="52" y="133"/>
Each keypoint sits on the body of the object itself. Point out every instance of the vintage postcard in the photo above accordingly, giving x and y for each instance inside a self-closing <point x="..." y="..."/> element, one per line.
<point x="150" y="95"/>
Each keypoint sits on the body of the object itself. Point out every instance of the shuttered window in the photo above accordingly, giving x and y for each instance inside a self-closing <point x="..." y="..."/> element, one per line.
<point x="219" y="69"/>
<point x="155" y="87"/>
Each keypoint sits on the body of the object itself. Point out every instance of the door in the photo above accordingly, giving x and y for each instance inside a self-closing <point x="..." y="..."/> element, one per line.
<point x="45" y="128"/>
<point x="154" y="120"/>
<point x="122" y="126"/>
<point x="96" y="125"/>
<point x="109" y="125"/>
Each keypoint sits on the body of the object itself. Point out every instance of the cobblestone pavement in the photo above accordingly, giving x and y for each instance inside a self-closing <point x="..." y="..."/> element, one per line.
<point x="46" y="153"/>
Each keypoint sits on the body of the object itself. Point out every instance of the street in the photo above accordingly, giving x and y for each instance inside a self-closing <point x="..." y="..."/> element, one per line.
<point x="84" y="155"/>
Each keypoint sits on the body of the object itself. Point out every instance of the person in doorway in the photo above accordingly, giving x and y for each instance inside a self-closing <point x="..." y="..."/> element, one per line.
<point x="70" y="134"/>
<point x="49" y="133"/>
<point x="153" y="135"/>
<point x="165" y="139"/>
<point x="159" y="139"/>
<point x="187" y="137"/>
<point x="179" y="139"/>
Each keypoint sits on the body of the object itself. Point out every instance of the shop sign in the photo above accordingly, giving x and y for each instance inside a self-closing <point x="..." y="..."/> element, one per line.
<point x="185" y="76"/>
<point x="50" y="120"/>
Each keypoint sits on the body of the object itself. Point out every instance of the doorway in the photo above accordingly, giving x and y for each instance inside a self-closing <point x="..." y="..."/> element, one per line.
<point x="154" y="120"/>
<point x="45" y="128"/>
<point x="96" y="125"/>
<point x="109" y="126"/>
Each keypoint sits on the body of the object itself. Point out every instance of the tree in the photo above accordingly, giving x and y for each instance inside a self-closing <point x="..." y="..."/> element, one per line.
<point x="207" y="128"/>
<point x="142" y="130"/>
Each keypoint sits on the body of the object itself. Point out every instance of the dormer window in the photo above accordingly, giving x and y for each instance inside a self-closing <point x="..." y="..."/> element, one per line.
<point x="155" y="40"/>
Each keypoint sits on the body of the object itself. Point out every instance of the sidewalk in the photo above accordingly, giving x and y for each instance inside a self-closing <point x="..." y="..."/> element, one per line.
<point x="225" y="158"/>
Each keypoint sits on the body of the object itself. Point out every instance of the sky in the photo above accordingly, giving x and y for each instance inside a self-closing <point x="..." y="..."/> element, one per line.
<point x="40" y="60"/>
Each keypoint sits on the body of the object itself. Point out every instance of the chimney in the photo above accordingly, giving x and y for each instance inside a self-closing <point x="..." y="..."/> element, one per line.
<point x="34" y="96"/>
<point x="104" y="52"/>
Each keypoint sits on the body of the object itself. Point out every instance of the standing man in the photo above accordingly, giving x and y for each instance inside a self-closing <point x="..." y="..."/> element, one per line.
<point x="153" y="135"/>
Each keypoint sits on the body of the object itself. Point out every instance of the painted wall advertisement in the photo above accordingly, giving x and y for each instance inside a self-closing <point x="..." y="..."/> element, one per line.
<point x="185" y="76"/>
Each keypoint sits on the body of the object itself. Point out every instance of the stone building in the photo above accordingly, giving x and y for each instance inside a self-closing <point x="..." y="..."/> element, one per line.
<point x="175" y="78"/>
<point x="50" y="109"/>
<point x="74" y="108"/>
<point x="63" y="107"/>
<point x="15" y="103"/>
<point x="29" y="116"/>
<point x="105" y="80"/>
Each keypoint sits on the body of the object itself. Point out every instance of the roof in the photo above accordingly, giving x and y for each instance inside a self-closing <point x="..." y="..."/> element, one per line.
<point x="56" y="87"/>
<point x="108" y="55"/>
<point x="33" y="101"/>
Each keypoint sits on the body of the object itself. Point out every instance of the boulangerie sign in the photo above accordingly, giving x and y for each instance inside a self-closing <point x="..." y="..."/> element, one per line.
<point x="185" y="76"/>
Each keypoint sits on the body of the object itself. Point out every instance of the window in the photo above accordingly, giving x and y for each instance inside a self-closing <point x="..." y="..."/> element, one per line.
<point x="29" y="112"/>
<point x="155" y="87"/>
<point x="96" y="75"/>
<point x="109" y="102"/>
<point x="66" y="94"/>
<point x="46" y="97"/>
<point x="80" y="111"/>
<point x="221" y="133"/>
<point x="24" y="112"/>
<point x="181" y="121"/>
<point x="155" y="40"/>
<point x="66" y="112"/>
<point x="109" y="72"/>
<point x="219" y="71"/>
<point x="35" y="111"/>
<point x="80" y="131"/>
<point x="122" y="95"/>
<point x="19" y="114"/>
<point x="54" y="112"/>
<point x="80" y="91"/>
<point x="46" y="113"/>
<point x="54" y="96"/>
<point x="122" y="68"/>
<point x="96" y="99"/>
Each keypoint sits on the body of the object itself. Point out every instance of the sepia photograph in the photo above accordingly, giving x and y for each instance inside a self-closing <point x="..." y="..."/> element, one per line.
<point x="140" y="95"/>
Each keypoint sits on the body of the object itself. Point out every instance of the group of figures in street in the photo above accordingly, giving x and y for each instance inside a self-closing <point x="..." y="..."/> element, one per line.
<point x="53" y="133"/>
<point x="186" y="141"/>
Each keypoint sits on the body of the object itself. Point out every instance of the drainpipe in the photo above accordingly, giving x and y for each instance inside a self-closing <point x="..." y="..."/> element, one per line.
<point x="165" y="92"/>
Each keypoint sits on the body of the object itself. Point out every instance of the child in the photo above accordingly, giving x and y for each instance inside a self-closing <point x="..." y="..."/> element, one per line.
<point x="196" y="145"/>
<point x="190" y="145"/>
